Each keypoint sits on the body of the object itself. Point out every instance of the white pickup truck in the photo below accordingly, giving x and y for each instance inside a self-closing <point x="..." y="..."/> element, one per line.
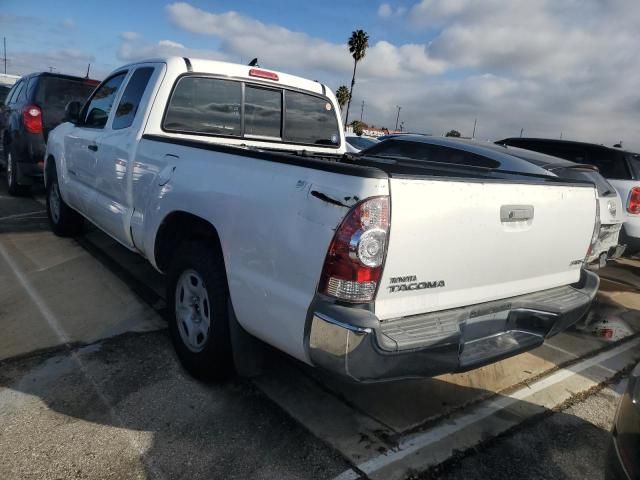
<point x="233" y="181"/>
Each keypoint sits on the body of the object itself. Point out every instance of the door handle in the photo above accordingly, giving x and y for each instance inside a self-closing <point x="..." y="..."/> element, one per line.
<point x="516" y="213"/>
<point x="93" y="148"/>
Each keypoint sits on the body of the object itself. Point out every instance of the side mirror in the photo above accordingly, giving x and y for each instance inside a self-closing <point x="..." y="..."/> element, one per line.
<point x="72" y="112"/>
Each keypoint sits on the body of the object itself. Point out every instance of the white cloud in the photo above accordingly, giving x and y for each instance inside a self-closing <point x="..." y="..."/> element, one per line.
<point x="138" y="49"/>
<point x="281" y="48"/>
<point x="545" y="66"/>
<point x="68" y="23"/>
<point x="69" y="61"/>
<point x="129" y="36"/>
<point x="170" y="44"/>
<point x="385" y="10"/>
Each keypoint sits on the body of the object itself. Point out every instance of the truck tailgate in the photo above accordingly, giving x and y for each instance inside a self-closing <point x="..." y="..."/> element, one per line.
<point x="454" y="243"/>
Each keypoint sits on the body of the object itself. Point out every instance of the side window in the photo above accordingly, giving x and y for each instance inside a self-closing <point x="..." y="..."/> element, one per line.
<point x="574" y="154"/>
<point x="13" y="96"/>
<point x="634" y="161"/>
<point x="31" y="87"/>
<point x="205" y="105"/>
<point x="459" y="157"/>
<point x="21" y="95"/>
<point x="310" y="120"/>
<point x="128" y="106"/>
<point x="611" y="164"/>
<point x="262" y="112"/>
<point x="97" y="111"/>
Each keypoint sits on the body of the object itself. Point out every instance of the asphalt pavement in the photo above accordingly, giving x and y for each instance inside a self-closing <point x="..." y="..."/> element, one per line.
<point x="124" y="409"/>
<point x="570" y="444"/>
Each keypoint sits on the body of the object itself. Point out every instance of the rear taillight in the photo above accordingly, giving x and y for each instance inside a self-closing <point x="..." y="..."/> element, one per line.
<point x="633" y="205"/>
<point x="354" y="262"/>
<point x="32" y="119"/>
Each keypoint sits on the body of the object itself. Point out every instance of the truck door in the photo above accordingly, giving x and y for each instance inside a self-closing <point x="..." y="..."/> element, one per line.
<point x="116" y="167"/>
<point x="82" y="143"/>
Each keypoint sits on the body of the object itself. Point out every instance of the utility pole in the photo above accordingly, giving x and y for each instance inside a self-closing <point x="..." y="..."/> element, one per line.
<point x="521" y="130"/>
<point x="398" y="116"/>
<point x="560" y="135"/>
<point x="4" y="40"/>
<point x="473" y="135"/>
<point x="362" y="111"/>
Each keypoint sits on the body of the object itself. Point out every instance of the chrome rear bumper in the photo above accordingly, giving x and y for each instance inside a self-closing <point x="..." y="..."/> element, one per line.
<point x="354" y="343"/>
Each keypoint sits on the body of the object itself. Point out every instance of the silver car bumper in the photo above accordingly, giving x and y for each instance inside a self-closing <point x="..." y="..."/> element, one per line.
<point x="354" y="343"/>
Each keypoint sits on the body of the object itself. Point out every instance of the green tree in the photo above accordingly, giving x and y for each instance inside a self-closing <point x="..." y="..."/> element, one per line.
<point x="342" y="95"/>
<point x="358" y="127"/>
<point x="452" y="133"/>
<point x="358" y="44"/>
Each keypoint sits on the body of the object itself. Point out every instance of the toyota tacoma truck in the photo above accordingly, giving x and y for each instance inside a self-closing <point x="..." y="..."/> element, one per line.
<point x="233" y="181"/>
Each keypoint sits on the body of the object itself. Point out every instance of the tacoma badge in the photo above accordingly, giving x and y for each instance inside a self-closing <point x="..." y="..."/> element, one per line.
<point x="410" y="282"/>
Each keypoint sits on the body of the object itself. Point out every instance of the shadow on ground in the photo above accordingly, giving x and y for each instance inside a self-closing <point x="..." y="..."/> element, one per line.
<point x="125" y="409"/>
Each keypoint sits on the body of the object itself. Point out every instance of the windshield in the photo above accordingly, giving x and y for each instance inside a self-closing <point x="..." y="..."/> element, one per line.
<point x="430" y="153"/>
<point x="362" y="142"/>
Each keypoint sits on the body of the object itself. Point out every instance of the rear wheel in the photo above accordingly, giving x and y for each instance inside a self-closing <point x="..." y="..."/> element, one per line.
<point x="12" y="176"/>
<point x="64" y="221"/>
<point x="198" y="297"/>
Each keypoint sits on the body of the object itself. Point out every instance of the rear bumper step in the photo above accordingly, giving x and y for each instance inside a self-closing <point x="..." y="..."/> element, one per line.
<point x="491" y="349"/>
<point x="355" y="344"/>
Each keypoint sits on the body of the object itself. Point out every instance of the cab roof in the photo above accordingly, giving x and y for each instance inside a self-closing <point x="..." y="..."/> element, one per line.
<point x="236" y="70"/>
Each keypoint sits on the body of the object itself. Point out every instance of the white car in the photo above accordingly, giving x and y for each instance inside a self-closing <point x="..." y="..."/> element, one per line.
<point x="233" y="181"/>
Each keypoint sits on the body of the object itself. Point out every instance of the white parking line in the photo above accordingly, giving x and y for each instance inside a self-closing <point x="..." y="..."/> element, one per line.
<point x="566" y="352"/>
<point x="62" y="335"/>
<point x="486" y="409"/>
<point x="20" y="215"/>
<point x="47" y="314"/>
<point x="348" y="475"/>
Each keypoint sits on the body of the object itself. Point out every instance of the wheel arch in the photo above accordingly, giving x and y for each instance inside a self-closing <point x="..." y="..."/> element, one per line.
<point x="50" y="169"/>
<point x="179" y="227"/>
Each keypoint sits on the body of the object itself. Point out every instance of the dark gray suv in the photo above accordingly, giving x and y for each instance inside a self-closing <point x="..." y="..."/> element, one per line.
<point x="35" y="106"/>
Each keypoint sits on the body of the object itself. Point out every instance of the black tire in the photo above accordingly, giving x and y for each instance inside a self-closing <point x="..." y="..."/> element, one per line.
<point x="67" y="222"/>
<point x="208" y="357"/>
<point x="11" y="175"/>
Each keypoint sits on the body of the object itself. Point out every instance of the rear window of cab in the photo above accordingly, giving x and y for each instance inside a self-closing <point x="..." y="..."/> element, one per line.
<point x="232" y="108"/>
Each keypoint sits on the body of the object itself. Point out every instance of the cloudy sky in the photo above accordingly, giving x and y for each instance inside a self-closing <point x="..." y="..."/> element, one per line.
<point x="551" y="67"/>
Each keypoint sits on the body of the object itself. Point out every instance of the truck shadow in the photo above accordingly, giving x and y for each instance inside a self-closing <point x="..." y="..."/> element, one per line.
<point x="198" y="431"/>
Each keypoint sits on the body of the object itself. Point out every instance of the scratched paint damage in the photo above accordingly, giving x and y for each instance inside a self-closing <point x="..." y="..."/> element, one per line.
<point x="323" y="205"/>
<point x="326" y="198"/>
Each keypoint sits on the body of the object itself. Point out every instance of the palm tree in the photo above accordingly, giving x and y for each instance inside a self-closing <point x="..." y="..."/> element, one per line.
<point x="342" y="95"/>
<point x="358" y="43"/>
